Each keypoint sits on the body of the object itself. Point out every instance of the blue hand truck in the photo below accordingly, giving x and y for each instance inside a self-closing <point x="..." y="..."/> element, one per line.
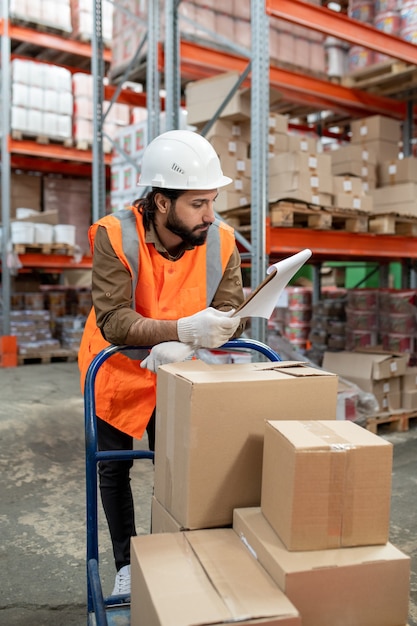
<point x="112" y="610"/>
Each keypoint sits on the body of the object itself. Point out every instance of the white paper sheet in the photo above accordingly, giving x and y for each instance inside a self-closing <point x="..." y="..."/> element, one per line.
<point x="263" y="300"/>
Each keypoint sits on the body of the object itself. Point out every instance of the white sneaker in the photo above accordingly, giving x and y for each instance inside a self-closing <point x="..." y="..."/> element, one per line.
<point x="122" y="582"/>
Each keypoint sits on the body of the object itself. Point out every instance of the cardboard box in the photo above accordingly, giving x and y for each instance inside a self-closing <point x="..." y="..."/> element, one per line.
<point x="204" y="97"/>
<point x="366" y="171"/>
<point x="375" y="127"/>
<point x="409" y="380"/>
<point x="367" y="585"/>
<point x="162" y="521"/>
<point x="277" y="123"/>
<point x="352" y="152"/>
<point x="302" y="143"/>
<point x="210" y="429"/>
<point x="409" y="400"/>
<point x="227" y="200"/>
<point x="397" y="171"/>
<point x="362" y="368"/>
<point x="202" y="578"/>
<point x="359" y="202"/>
<point x="303" y="181"/>
<point x="229" y="146"/>
<point x="385" y="150"/>
<point x="25" y="192"/>
<point x="311" y="162"/>
<point x="229" y="129"/>
<point x="347" y="185"/>
<point x="326" y="484"/>
<point x="401" y="198"/>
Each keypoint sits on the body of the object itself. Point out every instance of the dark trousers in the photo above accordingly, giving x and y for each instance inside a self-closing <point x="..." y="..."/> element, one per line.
<point x="115" y="489"/>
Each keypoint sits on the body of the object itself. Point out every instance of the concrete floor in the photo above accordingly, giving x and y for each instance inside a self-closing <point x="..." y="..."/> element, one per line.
<point x="42" y="491"/>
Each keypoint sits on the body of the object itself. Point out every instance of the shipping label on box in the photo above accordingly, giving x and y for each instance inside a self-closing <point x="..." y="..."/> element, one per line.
<point x="326" y="484"/>
<point x="332" y="586"/>
<point x="210" y="429"/>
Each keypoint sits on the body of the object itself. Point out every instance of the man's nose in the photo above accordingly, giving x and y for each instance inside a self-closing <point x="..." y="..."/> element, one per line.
<point x="209" y="215"/>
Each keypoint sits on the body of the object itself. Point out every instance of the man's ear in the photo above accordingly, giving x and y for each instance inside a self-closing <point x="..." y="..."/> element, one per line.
<point x="162" y="203"/>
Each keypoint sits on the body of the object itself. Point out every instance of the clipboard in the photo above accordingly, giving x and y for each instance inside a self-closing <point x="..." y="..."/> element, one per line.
<point x="262" y="301"/>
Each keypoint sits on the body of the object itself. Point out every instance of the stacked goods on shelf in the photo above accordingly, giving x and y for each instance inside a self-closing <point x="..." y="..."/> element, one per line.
<point x="116" y="117"/>
<point x="30" y="322"/>
<point x="359" y="56"/>
<point x="301" y="175"/>
<point x="362" y="308"/>
<point x="217" y="23"/>
<point x="384" y="15"/>
<point x="328" y="325"/>
<point x="25" y="192"/>
<point x="82" y="17"/>
<point x="322" y="527"/>
<point x="70" y="199"/>
<point x="55" y="15"/>
<point x="408" y="24"/>
<point x="46" y="321"/>
<point x="298" y="314"/>
<point x="42" y="101"/>
<point x="397" y="320"/>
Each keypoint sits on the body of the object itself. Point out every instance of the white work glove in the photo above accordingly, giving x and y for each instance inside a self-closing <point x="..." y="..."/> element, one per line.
<point x="166" y="352"/>
<point x="208" y="328"/>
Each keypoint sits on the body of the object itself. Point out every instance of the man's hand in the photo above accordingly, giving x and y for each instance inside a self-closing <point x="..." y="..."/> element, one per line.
<point x="208" y="328"/>
<point x="167" y="352"/>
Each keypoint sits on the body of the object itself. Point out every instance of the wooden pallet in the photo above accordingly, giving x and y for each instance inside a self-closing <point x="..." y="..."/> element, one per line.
<point x="393" y="224"/>
<point x="382" y="77"/>
<point x="43" y="248"/>
<point x="302" y="215"/>
<point x="20" y="135"/>
<point x="394" y="421"/>
<point x="54" y="356"/>
<point x="85" y="144"/>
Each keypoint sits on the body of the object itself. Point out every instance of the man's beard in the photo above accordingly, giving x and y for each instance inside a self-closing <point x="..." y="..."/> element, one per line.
<point x="191" y="237"/>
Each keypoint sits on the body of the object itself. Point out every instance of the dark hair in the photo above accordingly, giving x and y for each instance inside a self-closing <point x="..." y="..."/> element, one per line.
<point x="146" y="206"/>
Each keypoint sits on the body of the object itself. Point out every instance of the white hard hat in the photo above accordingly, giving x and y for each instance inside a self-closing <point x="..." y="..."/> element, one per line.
<point x="181" y="159"/>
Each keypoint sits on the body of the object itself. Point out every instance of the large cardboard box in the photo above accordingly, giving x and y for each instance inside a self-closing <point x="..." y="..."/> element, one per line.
<point x="363" y="367"/>
<point x="401" y="198"/>
<point x="397" y="171"/>
<point x="202" y="578"/>
<point x="210" y="427"/>
<point x="367" y="585"/>
<point x="326" y="484"/>
<point x="319" y="164"/>
<point x="353" y="152"/>
<point x="375" y="127"/>
<point x="204" y="97"/>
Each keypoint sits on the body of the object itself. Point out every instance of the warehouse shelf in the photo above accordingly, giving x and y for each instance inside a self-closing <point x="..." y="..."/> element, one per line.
<point x="342" y="27"/>
<point x="198" y="61"/>
<point x="339" y="245"/>
<point x="53" y="262"/>
<point x="41" y="43"/>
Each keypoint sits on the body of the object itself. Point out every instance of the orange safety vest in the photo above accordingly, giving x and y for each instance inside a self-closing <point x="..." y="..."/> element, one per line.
<point x="162" y="289"/>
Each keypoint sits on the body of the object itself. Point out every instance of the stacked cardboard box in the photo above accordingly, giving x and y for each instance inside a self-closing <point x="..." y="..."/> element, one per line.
<point x="378" y="373"/>
<point x="208" y="462"/>
<point x="210" y="434"/>
<point x="322" y="529"/>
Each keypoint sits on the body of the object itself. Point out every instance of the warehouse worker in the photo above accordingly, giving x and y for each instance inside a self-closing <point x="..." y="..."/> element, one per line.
<point x="165" y="274"/>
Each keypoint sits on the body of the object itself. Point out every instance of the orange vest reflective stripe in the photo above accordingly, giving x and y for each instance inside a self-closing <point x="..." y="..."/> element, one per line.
<point x="163" y="289"/>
